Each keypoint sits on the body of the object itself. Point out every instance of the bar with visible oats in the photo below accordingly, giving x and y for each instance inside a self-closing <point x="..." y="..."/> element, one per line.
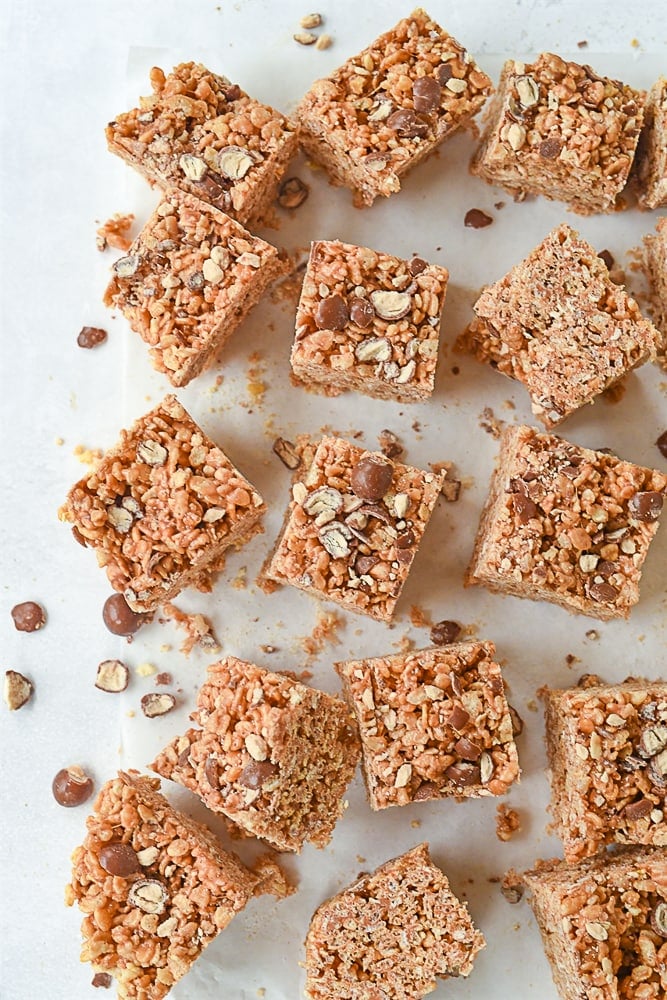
<point x="434" y="723"/>
<point x="651" y="161"/>
<point x="390" y="934"/>
<point x="383" y="111"/>
<point x="161" y="507"/>
<point x="558" y="129"/>
<point x="270" y="754"/>
<point x="203" y="135"/>
<point x="559" y="325"/>
<point x="607" y="750"/>
<point x="567" y="525"/>
<point x="353" y="527"/>
<point x="189" y="279"/>
<point x="369" y="322"/>
<point x="604" y="924"/>
<point x="655" y="268"/>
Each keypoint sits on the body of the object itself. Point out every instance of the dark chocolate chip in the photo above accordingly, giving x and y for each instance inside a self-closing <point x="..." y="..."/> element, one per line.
<point x="427" y="790"/>
<point x="606" y="256"/>
<point x="646" y="506"/>
<point x="389" y="443"/>
<point x="662" y="444"/>
<point x="426" y="94"/>
<point x="416" y="266"/>
<point x="256" y="773"/>
<point x="371" y="477"/>
<point x="475" y="218"/>
<point x="550" y="149"/>
<point x="604" y="593"/>
<point x="445" y="632"/>
<point x="332" y="313"/>
<point x="102" y="979"/>
<point x="444" y="73"/>
<point x="406" y="540"/>
<point x="71" y="786"/>
<point x="407" y="124"/>
<point x="119" y="617"/>
<point x="119" y="859"/>
<point x="91" y="336"/>
<point x="606" y="568"/>
<point x="363" y="564"/>
<point x="524" y="508"/>
<point x="28" y="616"/>
<point x="361" y="312"/>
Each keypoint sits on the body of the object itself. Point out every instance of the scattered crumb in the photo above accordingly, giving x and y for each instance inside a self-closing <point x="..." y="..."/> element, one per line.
<point x="451" y="486"/>
<point x="266" y="648"/>
<point x="615" y="392"/>
<point x="404" y="644"/>
<point x="165" y="647"/>
<point x="325" y="631"/>
<point x="304" y="676"/>
<point x="419" y="617"/>
<point x="240" y="581"/>
<point x="361" y="860"/>
<point x="507" y="822"/>
<point x="592" y="634"/>
<point x="512" y="887"/>
<point x="60" y="441"/>
<point x="304" y="37"/>
<point x="571" y="659"/>
<point x="634" y="43"/>
<point x="287" y="453"/>
<point x="164" y="678"/>
<point x="389" y="444"/>
<point x="583" y="44"/>
<point x="130" y="713"/>
<point x="416" y="426"/>
<point x="272" y="878"/>
<point x="255" y="385"/>
<point x="113" y="233"/>
<point x="589" y="681"/>
<point x="261" y="992"/>
<point x="490" y="423"/>
<point x="531" y="705"/>
<point x="498" y="205"/>
<point x="508" y="404"/>
<point x="87" y="456"/>
<point x="289" y="289"/>
<point x="198" y="630"/>
<point x="415" y="823"/>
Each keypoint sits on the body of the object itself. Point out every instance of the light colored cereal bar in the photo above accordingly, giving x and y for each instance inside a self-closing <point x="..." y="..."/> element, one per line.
<point x="386" y="109"/>
<point x="567" y="525"/>
<point x="433" y="723"/>
<point x="655" y="266"/>
<point x="202" y="134"/>
<point x="353" y="527"/>
<point x="557" y="323"/>
<point x="607" y="749"/>
<point x="271" y="754"/>
<point x="604" y="924"/>
<point x="189" y="279"/>
<point x="558" y="129"/>
<point x="368" y="321"/>
<point x="162" y="506"/>
<point x="390" y="934"/>
<point x="155" y="888"/>
<point x="651" y="161"/>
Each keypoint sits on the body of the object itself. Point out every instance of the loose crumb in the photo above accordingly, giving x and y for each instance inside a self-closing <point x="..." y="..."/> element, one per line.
<point x="325" y="631"/>
<point x="592" y="634"/>
<point x="114" y="232"/>
<point x="240" y="581"/>
<point x="490" y="423"/>
<point x="512" y="887"/>
<point x="419" y="617"/>
<point x="507" y="822"/>
<point x="415" y="824"/>
<point x="87" y="456"/>
<point x="146" y="670"/>
<point x="198" y="630"/>
<point x="404" y="644"/>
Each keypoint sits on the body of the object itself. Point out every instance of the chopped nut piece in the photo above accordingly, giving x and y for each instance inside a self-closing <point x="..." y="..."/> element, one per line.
<point x="256" y="747"/>
<point x="193" y="167"/>
<point x="311" y="21"/>
<point x="113" y="233"/>
<point x="323" y="42"/>
<point x="304" y="37"/>
<point x="155" y="704"/>
<point x="112" y="676"/>
<point x="17" y="690"/>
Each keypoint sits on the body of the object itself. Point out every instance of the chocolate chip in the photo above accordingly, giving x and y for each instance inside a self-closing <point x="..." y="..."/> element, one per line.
<point x="445" y="632"/>
<point x="416" y="266"/>
<point x="550" y="149"/>
<point x="476" y="219"/>
<point x="389" y="444"/>
<point x="662" y="444"/>
<point x="28" y="616"/>
<point x="406" y="540"/>
<point x="364" y="564"/>
<point x="293" y="192"/>
<point x="112" y="676"/>
<point x="119" y="617"/>
<point x="371" y="477"/>
<point x="287" y="453"/>
<point x="602" y="592"/>
<point x="332" y="313"/>
<point x="524" y="508"/>
<point x="91" y="336"/>
<point x="427" y="790"/>
<point x="466" y="749"/>
<point x="232" y="93"/>
<point x="646" y="506"/>
<point x="71" y="786"/>
<point x="426" y="93"/>
<point x="463" y="774"/>
<point x="458" y="718"/>
<point x="256" y="773"/>
<point x="606" y="568"/>
<point x="361" y="312"/>
<point x="155" y="704"/>
<point x="102" y="979"/>
<point x="605" y="256"/>
<point x="444" y="72"/>
<point x="406" y="124"/>
<point x="119" y="859"/>
<point x="637" y="810"/>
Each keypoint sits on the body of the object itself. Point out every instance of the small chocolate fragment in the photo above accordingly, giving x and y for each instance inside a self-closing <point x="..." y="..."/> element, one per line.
<point x="475" y="218"/>
<point x="416" y="266"/>
<point x="72" y="786"/>
<point x="646" y="506"/>
<point x="445" y="632"/>
<point x="293" y="192"/>
<point x="517" y="721"/>
<point x="444" y="73"/>
<point x="164" y="678"/>
<point x="524" y="508"/>
<point x="102" y="979"/>
<point x="112" y="676"/>
<point x="637" y="810"/>
<point x="458" y="717"/>
<point x="361" y="312"/>
<point x="212" y="772"/>
<point x="332" y="313"/>
<point x="18" y="690"/>
<point x="91" y="336"/>
<point x="371" y="477"/>
<point x="426" y="94"/>
<point x="550" y="149"/>
<point x="389" y="444"/>
<point x="119" y="859"/>
<point x="287" y="453"/>
<point x="407" y="124"/>
<point x="256" y="773"/>
<point x="119" y="617"/>
<point x="463" y="774"/>
<point x="154" y="704"/>
<point x="662" y="444"/>
<point x="28" y="616"/>
<point x="427" y="790"/>
<point x="606" y="256"/>
<point x="466" y="749"/>
<point x="605" y="593"/>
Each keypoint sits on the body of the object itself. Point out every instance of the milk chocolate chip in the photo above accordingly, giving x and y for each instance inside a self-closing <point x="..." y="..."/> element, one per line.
<point x="332" y="313"/>
<point x="28" y="616"/>
<point x="371" y="477"/>
<point x="71" y="786"/>
<point x="119" y="617"/>
<point x="119" y="859"/>
<point x="426" y="92"/>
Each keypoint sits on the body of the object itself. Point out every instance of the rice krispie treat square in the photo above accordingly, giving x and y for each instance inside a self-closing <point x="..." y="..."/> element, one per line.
<point x="271" y="754"/>
<point x="433" y="723"/>
<point x="607" y="749"/>
<point x="155" y="888"/>
<point x="189" y="279"/>
<point x="558" y="324"/>
<point x="353" y="527"/>
<point x="203" y="135"/>
<point x="655" y="267"/>
<point x="368" y="321"/>
<point x="567" y="525"/>
<point x="604" y="924"/>
<point x="161" y="507"/>
<point x="558" y="129"/>
<point x="390" y="934"/>
<point x="651" y="161"/>
<point x="386" y="109"/>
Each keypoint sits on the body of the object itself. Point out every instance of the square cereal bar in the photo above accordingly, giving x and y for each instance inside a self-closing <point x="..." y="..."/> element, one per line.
<point x="272" y="755"/>
<point x="161" y="507"/>
<point x="386" y="109"/>
<point x="368" y="321"/>
<point x="189" y="280"/>
<point x="651" y="161"/>
<point x="607" y="750"/>
<point x="155" y="887"/>
<point x="202" y="134"/>
<point x="655" y="267"/>
<point x="433" y="723"/>
<point x="566" y="524"/>
<point x="557" y="323"/>
<point x="558" y="129"/>
<point x="604" y="923"/>
<point x="390" y="934"/>
<point x="353" y="527"/>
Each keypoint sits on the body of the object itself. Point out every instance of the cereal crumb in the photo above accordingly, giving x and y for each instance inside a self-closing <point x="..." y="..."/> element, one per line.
<point x="592" y="634"/>
<point x="507" y="822"/>
<point x="419" y="617"/>
<point x="198" y="630"/>
<point x="325" y="631"/>
<point x="571" y="659"/>
<point x="240" y="581"/>
<point x="113" y="233"/>
<point x="87" y="456"/>
<point x="304" y="37"/>
<point x="531" y="705"/>
<point x="60" y="441"/>
<point x="272" y="877"/>
<point x="404" y="644"/>
<point x="512" y="887"/>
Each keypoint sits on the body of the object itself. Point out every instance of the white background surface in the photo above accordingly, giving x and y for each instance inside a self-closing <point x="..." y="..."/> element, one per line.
<point x="68" y="68"/>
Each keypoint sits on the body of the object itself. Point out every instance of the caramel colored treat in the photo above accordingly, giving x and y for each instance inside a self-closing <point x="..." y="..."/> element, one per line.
<point x="162" y="506"/>
<point x="386" y="109"/>
<point x="271" y="754"/>
<point x="567" y="525"/>
<point x="558" y="324"/>
<point x="353" y="527"/>
<point x="651" y="162"/>
<point x="407" y="899"/>
<point x="558" y="129"/>
<point x="604" y="924"/>
<point x="155" y="888"/>
<point x="655" y="266"/>
<point x="607" y="749"/>
<point x="190" y="278"/>
<point x="369" y="322"/>
<point x="203" y="135"/>
<point x="434" y="723"/>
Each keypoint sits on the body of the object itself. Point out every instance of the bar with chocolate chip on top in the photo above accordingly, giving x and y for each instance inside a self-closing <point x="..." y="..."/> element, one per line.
<point x="384" y="110"/>
<point x="162" y="507"/>
<point x="655" y="268"/>
<point x="558" y="129"/>
<point x="353" y="527"/>
<point x="651" y="160"/>
<point x="203" y="135"/>
<point x="369" y="322"/>
<point x="434" y="723"/>
<point x="566" y="524"/>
